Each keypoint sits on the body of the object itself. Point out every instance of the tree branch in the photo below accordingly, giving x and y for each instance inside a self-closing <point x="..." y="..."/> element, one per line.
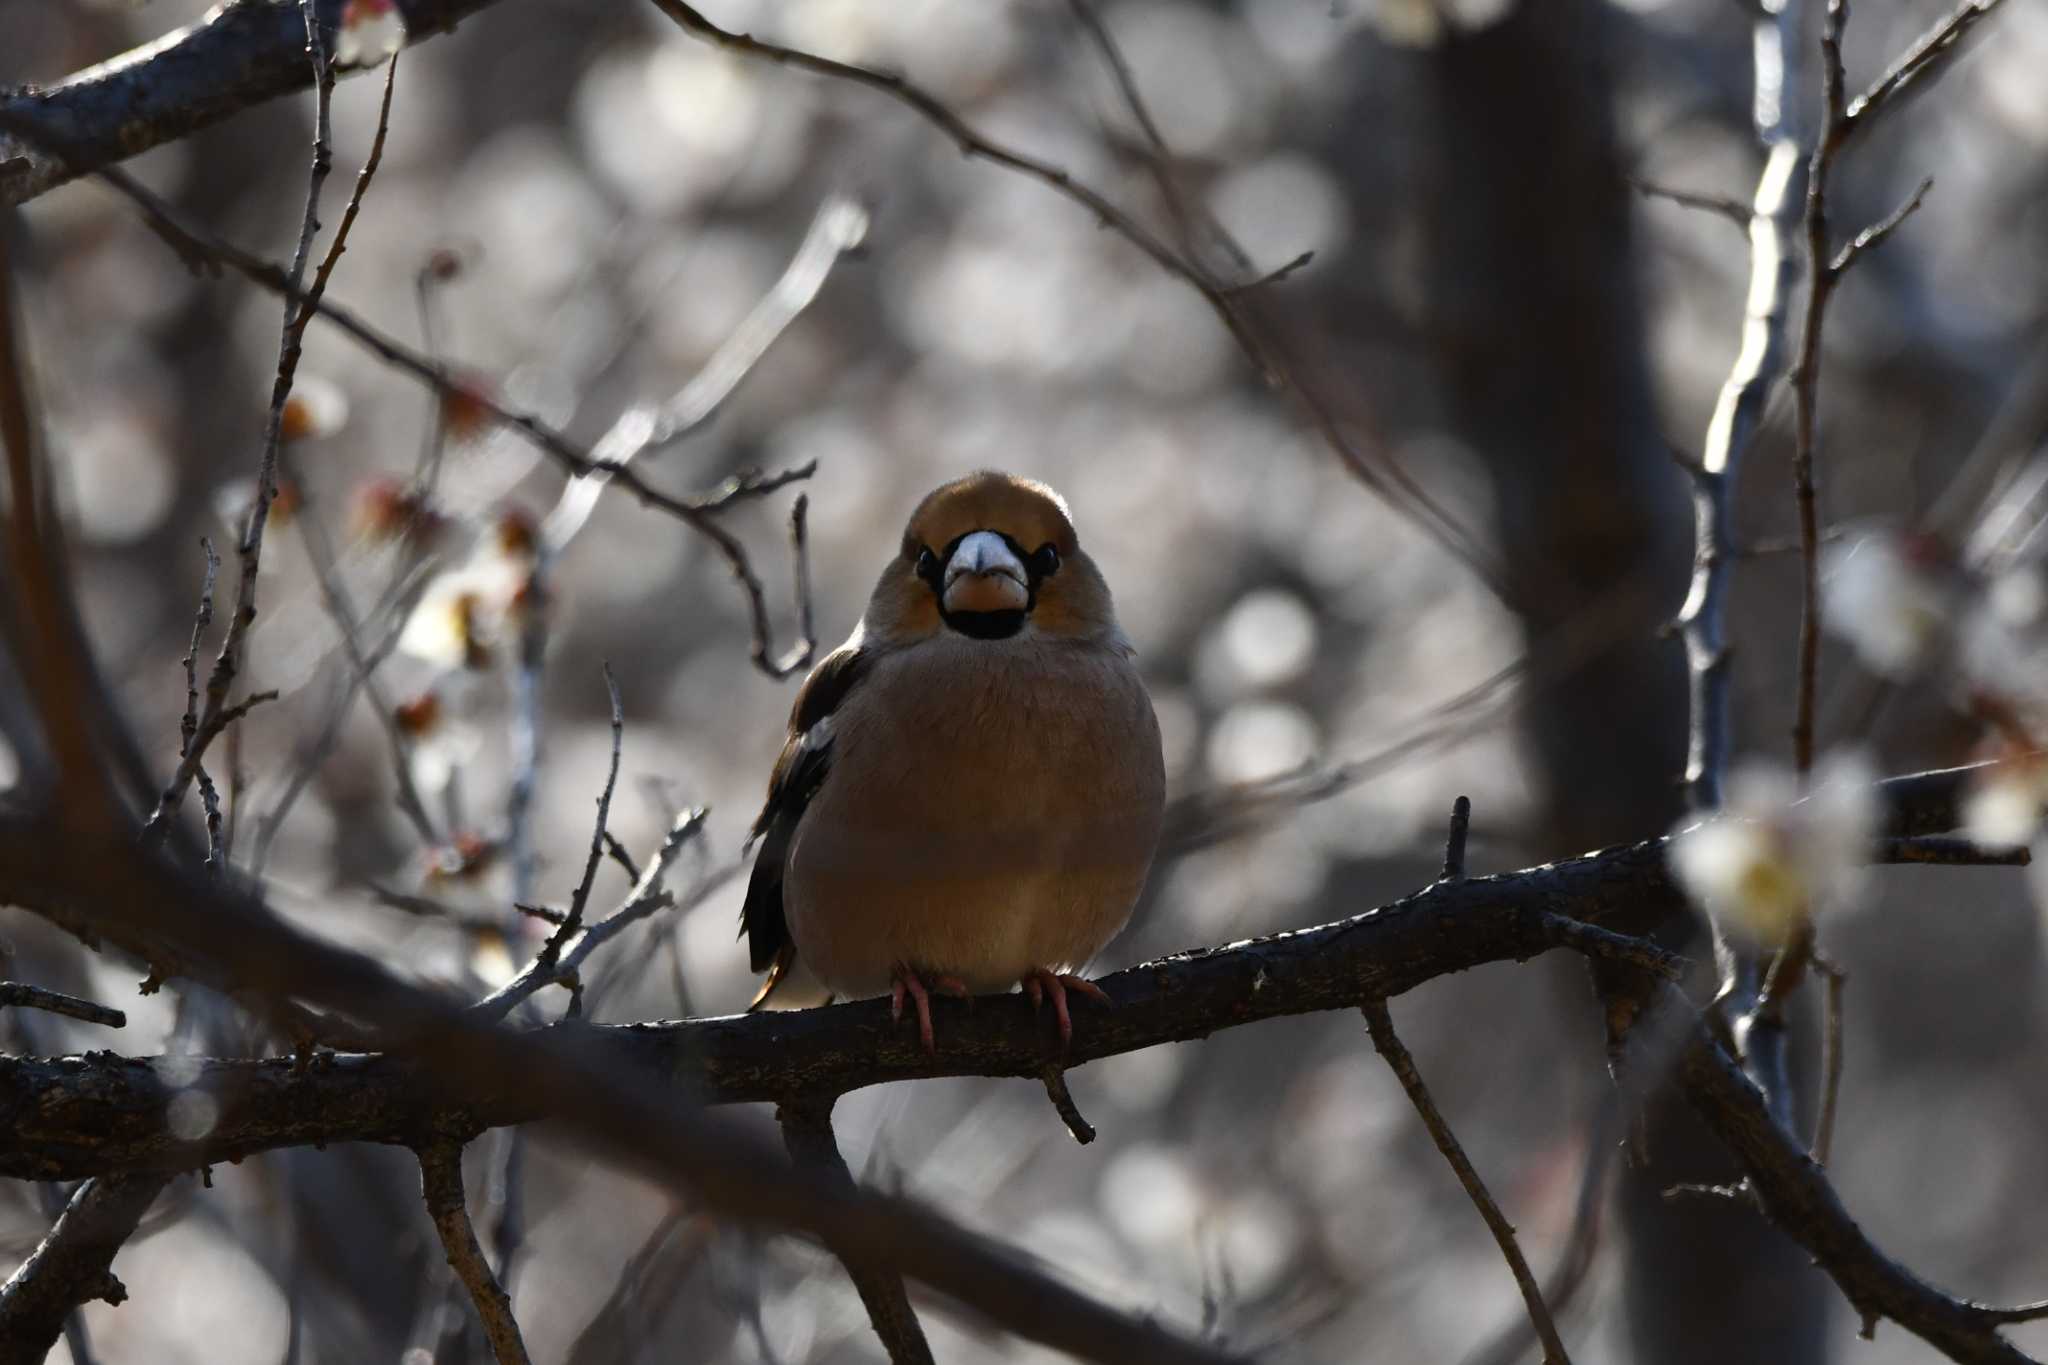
<point x="1389" y="1045"/>
<point x="216" y="714"/>
<point x="15" y="995"/>
<point x="71" y="1264"/>
<point x="621" y="1086"/>
<point x="1377" y="471"/>
<point x="448" y="1206"/>
<point x="807" y="1133"/>
<point x="239" y="55"/>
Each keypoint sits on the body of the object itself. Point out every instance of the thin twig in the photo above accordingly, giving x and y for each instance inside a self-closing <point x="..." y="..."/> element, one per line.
<point x="1159" y="157"/>
<point x="807" y="1133"/>
<point x="1276" y="275"/>
<point x="697" y="512"/>
<point x="334" y="598"/>
<point x="1733" y="210"/>
<point x="527" y="728"/>
<point x="1454" y="844"/>
<point x="1806" y="377"/>
<point x="1055" y="1078"/>
<point x="620" y="855"/>
<point x="238" y="781"/>
<point x="1384" y="476"/>
<point x="1934" y="46"/>
<point x="2026" y="1312"/>
<point x="441" y="1188"/>
<point x="573" y="921"/>
<point x="209" y="801"/>
<point x="13" y="994"/>
<point x="1381" y="1024"/>
<point x="227" y="663"/>
<point x="1582" y="1242"/>
<point x="188" y="725"/>
<point x="1836" y="982"/>
<point x="397" y="604"/>
<point x="558" y="959"/>
<point x="1873" y="236"/>
<point x="838" y="227"/>
<point x="371" y="161"/>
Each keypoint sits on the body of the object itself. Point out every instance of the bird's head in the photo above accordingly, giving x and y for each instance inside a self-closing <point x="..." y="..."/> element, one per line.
<point x="990" y="556"/>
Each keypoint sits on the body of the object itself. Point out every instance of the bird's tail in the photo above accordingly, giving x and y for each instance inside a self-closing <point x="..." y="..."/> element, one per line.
<point x="790" y="985"/>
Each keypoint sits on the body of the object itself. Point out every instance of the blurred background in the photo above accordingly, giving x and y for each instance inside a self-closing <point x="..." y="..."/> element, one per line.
<point x="578" y="203"/>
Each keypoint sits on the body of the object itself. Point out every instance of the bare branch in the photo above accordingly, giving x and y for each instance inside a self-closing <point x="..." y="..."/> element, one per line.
<point x="1381" y="1024"/>
<point x="399" y="598"/>
<point x="1055" y="1078"/>
<point x="1511" y="1346"/>
<point x="1773" y="272"/>
<point x="839" y="226"/>
<point x="552" y="964"/>
<point x="1874" y="235"/>
<point x="188" y="725"/>
<point x="1383" y="475"/>
<point x="18" y="996"/>
<point x="441" y="1187"/>
<point x="1794" y="1193"/>
<point x="1159" y="157"/>
<point x="1806" y="380"/>
<point x="807" y="1133"/>
<point x="368" y="172"/>
<point x="698" y="513"/>
<point x="573" y="921"/>
<point x="599" y="1080"/>
<point x="1934" y="47"/>
<point x="72" y="1263"/>
<point x="1733" y="210"/>
<point x="1836" y="981"/>
<point x="228" y="662"/>
<point x="1454" y="844"/>
<point x="334" y="599"/>
<point x="236" y="56"/>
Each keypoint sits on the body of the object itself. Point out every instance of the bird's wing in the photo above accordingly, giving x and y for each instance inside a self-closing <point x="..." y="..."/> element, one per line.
<point x="806" y="757"/>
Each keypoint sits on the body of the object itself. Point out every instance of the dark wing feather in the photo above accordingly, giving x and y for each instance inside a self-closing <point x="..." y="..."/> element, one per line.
<point x="805" y="759"/>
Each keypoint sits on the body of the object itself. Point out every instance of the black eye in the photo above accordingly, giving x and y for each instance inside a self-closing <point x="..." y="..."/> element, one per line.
<point x="1045" y="561"/>
<point x="927" y="564"/>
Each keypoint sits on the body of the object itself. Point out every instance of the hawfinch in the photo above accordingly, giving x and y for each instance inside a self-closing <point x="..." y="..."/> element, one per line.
<point x="970" y="793"/>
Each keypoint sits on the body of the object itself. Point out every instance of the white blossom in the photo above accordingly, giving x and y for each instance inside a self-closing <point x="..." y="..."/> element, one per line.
<point x="1890" y="598"/>
<point x="468" y="615"/>
<point x="371" y="30"/>
<point x="1772" y="859"/>
<point x="2006" y="800"/>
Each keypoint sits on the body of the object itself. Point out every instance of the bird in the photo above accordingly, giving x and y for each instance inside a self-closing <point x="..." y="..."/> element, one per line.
<point x="970" y="792"/>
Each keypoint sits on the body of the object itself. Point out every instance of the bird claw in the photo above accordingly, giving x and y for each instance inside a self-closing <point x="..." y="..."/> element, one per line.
<point x="1042" y="982"/>
<point x="905" y="981"/>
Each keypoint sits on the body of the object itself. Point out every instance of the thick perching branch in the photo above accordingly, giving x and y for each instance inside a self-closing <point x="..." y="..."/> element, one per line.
<point x="78" y="1117"/>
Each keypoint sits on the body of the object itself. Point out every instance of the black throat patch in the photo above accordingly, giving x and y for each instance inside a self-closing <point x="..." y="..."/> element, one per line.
<point x="985" y="625"/>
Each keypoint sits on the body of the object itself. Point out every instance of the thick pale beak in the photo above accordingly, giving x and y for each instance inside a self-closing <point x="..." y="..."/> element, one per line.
<point x="984" y="574"/>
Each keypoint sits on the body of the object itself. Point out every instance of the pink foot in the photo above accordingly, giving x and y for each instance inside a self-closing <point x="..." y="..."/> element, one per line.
<point x="1041" y="982"/>
<point x="906" y="981"/>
